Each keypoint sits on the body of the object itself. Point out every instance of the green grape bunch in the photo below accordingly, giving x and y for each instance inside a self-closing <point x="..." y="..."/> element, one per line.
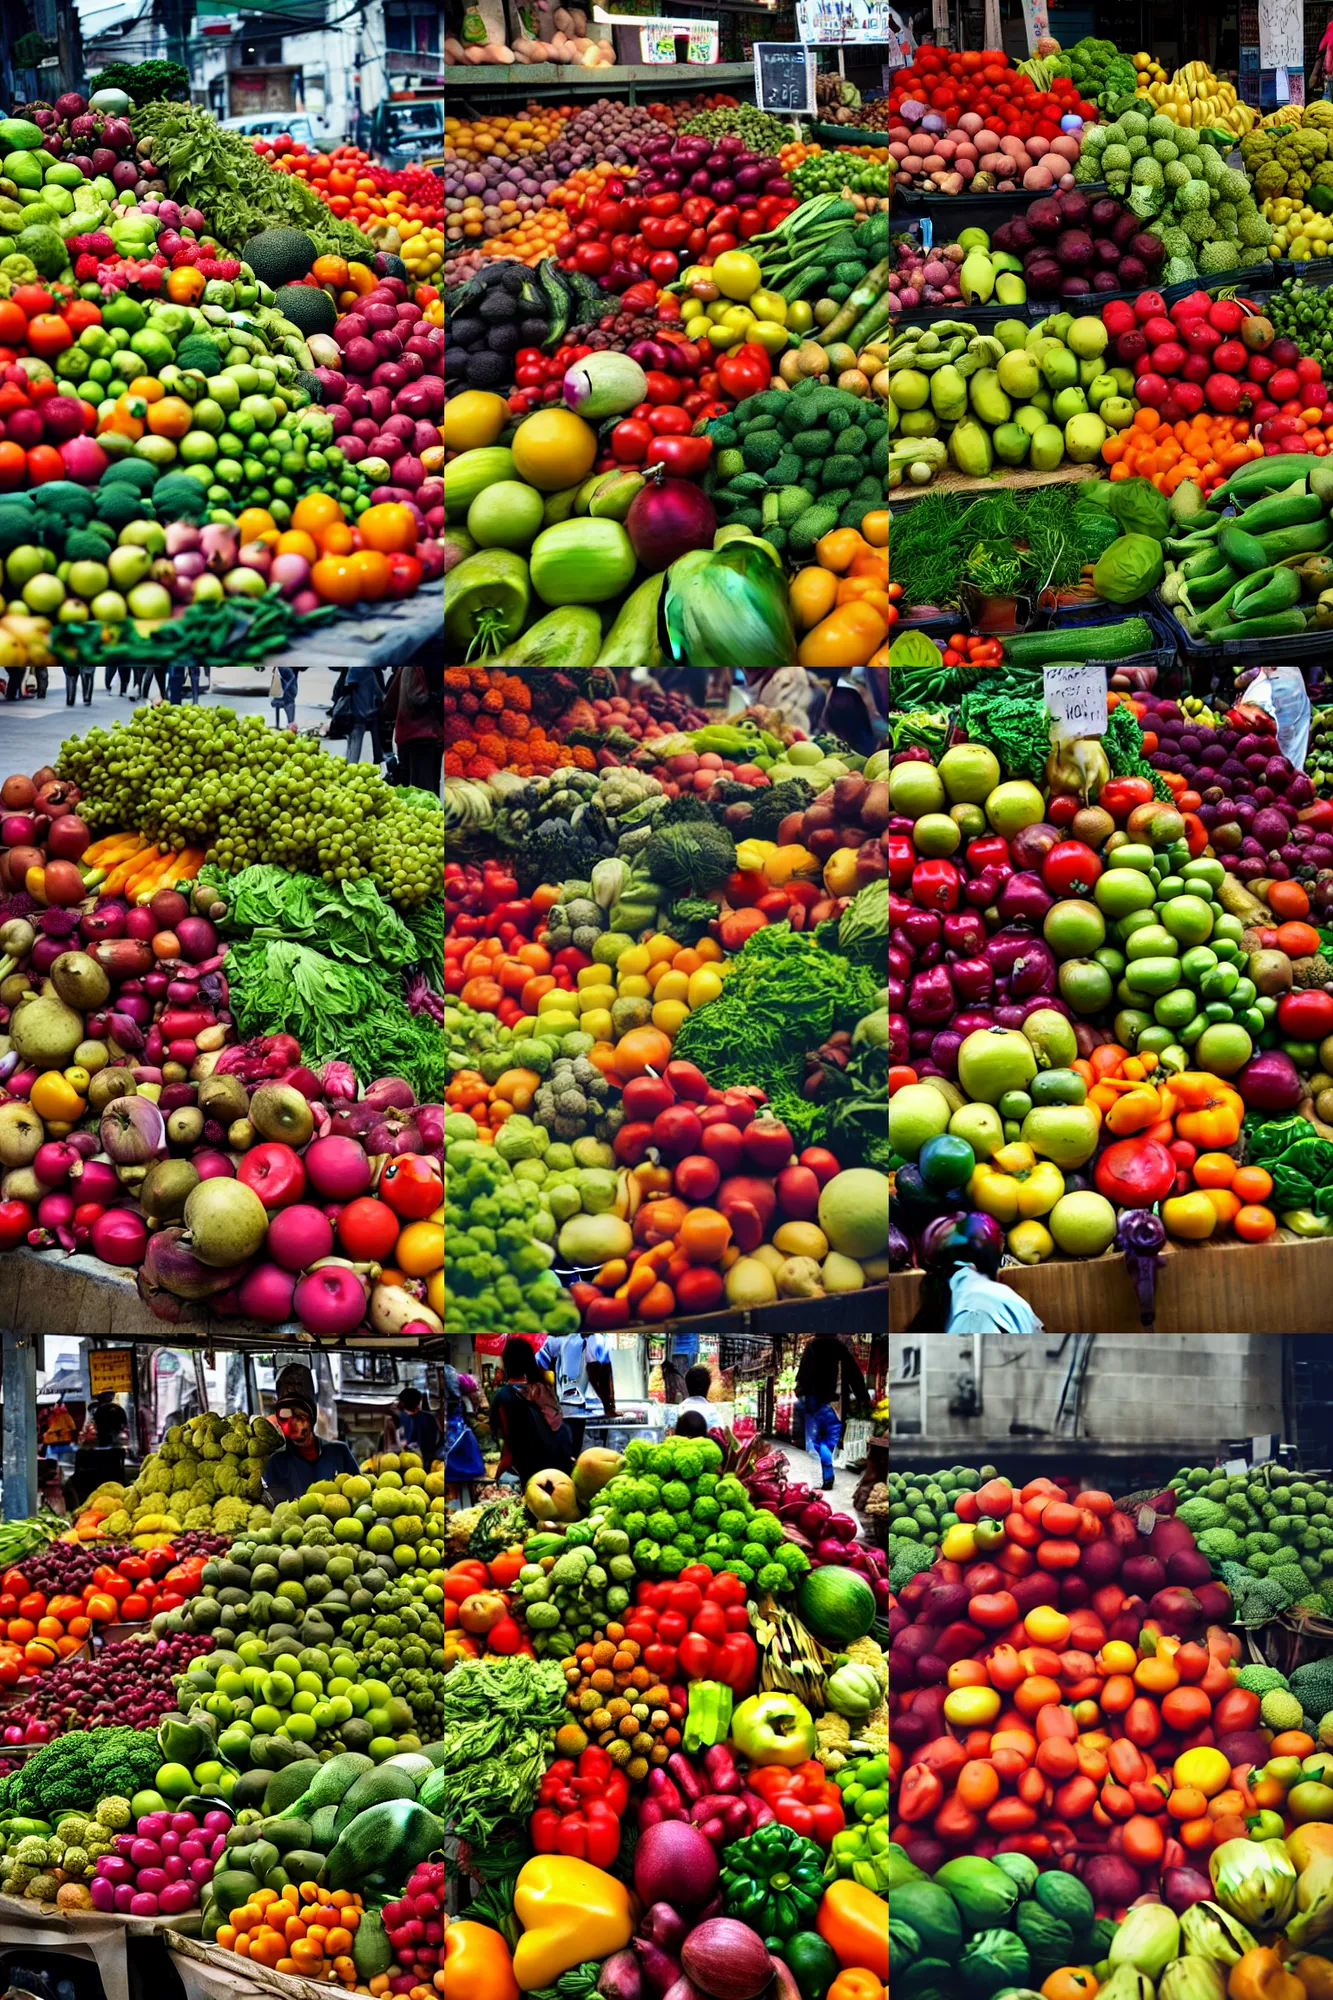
<point x="248" y="794"/>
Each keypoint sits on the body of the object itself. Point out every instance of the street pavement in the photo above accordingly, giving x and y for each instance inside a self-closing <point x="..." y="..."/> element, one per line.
<point x="31" y="732"/>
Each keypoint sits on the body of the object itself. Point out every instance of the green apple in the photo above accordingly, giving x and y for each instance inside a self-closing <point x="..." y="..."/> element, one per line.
<point x="936" y="834"/>
<point x="1052" y="1037"/>
<point x="992" y="1061"/>
<point x="917" y="1112"/>
<point x="1074" y="928"/>
<point x="1223" y="1048"/>
<point x="1009" y="808"/>
<point x="916" y="789"/>
<point x="774" y="1729"/>
<point x="1082" y="1224"/>
<point x="969" y="773"/>
<point x="1117" y="413"/>
<point x="980" y="1125"/>
<point x="144" y="535"/>
<point x="130" y="563"/>
<point x="1065" y="1133"/>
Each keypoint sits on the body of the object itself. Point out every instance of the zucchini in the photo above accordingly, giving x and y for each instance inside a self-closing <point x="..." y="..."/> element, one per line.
<point x="1281" y="510"/>
<point x="1264" y="475"/>
<point x="1243" y="551"/>
<point x="1275" y="625"/>
<point x="1206" y="589"/>
<point x="1082" y="642"/>
<point x="550" y="278"/>
<point x="1305" y="539"/>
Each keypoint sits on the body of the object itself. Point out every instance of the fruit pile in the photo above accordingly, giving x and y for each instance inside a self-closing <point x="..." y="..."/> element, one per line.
<point x="402" y="213"/>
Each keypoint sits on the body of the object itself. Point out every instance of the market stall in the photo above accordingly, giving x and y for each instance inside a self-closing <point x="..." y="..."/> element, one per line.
<point x="1141" y="1704"/>
<point x="661" y="317"/>
<point x="636" y="1135"/>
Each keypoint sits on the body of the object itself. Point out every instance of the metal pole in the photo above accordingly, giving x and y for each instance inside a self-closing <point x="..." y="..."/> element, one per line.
<point x="20" y="1426"/>
<point x="252" y="1401"/>
<point x="201" y="1382"/>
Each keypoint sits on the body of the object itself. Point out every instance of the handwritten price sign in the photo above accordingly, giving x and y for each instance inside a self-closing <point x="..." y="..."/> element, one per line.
<point x="1076" y="699"/>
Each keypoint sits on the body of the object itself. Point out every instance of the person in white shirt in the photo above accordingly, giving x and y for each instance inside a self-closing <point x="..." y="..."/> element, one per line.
<point x="697" y="1384"/>
<point x="581" y="1361"/>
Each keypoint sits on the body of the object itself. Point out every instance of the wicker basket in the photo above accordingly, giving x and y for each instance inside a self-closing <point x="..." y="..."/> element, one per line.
<point x="1290" y="1640"/>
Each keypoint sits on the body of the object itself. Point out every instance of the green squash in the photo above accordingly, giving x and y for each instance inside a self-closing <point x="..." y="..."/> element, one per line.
<point x="933" y="1915"/>
<point x="993" y="1960"/>
<point x="1064" y="1896"/>
<point x="1049" y="1939"/>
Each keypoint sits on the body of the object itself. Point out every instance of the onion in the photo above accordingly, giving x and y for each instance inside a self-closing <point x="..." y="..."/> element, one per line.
<point x="726" y="1959"/>
<point x="667" y="519"/>
<point x="675" y="1863"/>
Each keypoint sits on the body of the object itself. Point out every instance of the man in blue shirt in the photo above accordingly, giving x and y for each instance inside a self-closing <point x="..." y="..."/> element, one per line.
<point x="304" y="1458"/>
<point x="581" y="1361"/>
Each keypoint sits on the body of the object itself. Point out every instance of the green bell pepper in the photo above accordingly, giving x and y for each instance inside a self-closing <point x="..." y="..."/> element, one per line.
<point x="773" y="1880"/>
<point x="708" y="1717"/>
<point x="812" y="1963"/>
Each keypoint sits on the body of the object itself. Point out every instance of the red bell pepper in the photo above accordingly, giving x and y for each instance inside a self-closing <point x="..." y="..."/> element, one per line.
<point x="805" y="1799"/>
<point x="747" y="372"/>
<point x="590" y="1834"/>
<point x="696" y="1626"/>
<point x="902" y="858"/>
<point x="1306" y="1016"/>
<point x="935" y="885"/>
<point x="684" y="457"/>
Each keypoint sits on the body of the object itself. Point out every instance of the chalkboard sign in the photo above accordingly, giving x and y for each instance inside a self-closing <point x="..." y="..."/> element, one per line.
<point x="784" y="77"/>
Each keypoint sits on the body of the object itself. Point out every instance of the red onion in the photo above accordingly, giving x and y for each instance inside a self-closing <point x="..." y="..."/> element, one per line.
<point x="668" y="519"/>
<point x="727" y="1960"/>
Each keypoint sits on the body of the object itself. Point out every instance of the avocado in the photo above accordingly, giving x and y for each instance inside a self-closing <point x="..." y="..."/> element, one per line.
<point x="375" y="1788"/>
<point x="251" y="1789"/>
<point x="307" y="307"/>
<point x="277" y="256"/>
<point x="337" y="1778"/>
<point x="287" y="1834"/>
<point x="280" y="1790"/>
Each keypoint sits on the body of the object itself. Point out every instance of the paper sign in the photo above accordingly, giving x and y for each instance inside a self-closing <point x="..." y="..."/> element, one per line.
<point x="1281" y="86"/>
<point x="869" y="21"/>
<point x="1261" y="1449"/>
<point x="1076" y="698"/>
<point x="823" y="21"/>
<point x="1234" y="1466"/>
<point x="1281" y="34"/>
<point x="784" y="77"/>
<point x="113" y="1369"/>
<point x="703" y="42"/>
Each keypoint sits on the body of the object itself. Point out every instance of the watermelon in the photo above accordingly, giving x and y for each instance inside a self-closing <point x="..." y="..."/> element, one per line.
<point x="837" y="1605"/>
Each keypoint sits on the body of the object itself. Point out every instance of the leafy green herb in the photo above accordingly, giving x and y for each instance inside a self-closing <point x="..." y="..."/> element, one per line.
<point x="783" y="995"/>
<point x="221" y="173"/>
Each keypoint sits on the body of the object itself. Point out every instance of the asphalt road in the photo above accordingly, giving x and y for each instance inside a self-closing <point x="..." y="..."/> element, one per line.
<point x="31" y="732"/>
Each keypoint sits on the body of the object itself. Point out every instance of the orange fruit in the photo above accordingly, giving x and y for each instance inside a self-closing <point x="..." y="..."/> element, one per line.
<point x="335" y="539"/>
<point x="296" y="542"/>
<point x="372" y="570"/>
<point x="334" y="580"/>
<point x="315" y="511"/>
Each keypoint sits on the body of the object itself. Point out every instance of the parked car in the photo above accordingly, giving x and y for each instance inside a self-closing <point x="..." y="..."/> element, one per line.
<point x="268" y="124"/>
<point x="407" y="130"/>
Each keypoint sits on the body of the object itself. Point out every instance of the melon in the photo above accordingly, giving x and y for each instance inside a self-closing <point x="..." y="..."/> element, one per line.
<point x="837" y="1605"/>
<point x="854" y="1212"/>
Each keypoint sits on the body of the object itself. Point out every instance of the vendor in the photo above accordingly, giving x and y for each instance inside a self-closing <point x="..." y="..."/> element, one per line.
<point x="526" y="1417"/>
<point x="304" y="1458"/>
<point x="581" y="1361"/>
<point x="698" y="1381"/>
<point x="828" y="1371"/>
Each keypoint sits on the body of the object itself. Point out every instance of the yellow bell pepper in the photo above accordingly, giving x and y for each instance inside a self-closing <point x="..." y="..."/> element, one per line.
<point x="1014" y="1185"/>
<point x="1191" y="1216"/>
<point x="570" y="1911"/>
<point x="752" y="855"/>
<point x="792" y="864"/>
<point x="855" y="1921"/>
<point x="1031" y="1242"/>
<point x="477" y="1962"/>
<point x="959" y="1544"/>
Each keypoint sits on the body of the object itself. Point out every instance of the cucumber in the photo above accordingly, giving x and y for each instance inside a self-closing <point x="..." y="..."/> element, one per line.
<point x="568" y="637"/>
<point x="558" y="298"/>
<point x="1081" y="642"/>
<point x="1303" y="539"/>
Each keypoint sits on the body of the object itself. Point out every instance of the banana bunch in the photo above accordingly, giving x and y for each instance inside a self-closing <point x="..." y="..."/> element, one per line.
<point x="790" y="1660"/>
<point x="1195" y="97"/>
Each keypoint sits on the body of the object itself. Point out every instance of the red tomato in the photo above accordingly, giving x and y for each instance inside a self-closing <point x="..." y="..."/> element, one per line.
<point x="16" y="1219"/>
<point x="368" y="1229"/>
<point x="412" y="1186"/>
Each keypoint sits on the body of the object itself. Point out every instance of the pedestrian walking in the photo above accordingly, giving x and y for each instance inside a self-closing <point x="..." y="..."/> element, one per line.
<point x="415" y="703"/>
<point x="176" y="681"/>
<point x="366" y="690"/>
<point x="151" y="670"/>
<point x="282" y="694"/>
<point x="75" y="674"/>
<point x="829" y="1374"/>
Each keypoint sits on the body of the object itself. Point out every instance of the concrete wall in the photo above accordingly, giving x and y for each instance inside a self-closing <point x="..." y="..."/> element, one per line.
<point x="1127" y="1393"/>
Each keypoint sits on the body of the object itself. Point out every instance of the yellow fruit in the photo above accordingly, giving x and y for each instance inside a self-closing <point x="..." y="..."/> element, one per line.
<point x="553" y="449"/>
<point x="473" y="419"/>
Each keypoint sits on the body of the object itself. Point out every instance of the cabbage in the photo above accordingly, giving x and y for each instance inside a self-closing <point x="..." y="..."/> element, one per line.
<point x="914" y="649"/>
<point x="1139" y="508"/>
<point x="863" y="929"/>
<point x="1130" y="568"/>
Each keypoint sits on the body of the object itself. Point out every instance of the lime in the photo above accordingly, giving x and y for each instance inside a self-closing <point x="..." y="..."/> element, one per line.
<point x="177" y="1781"/>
